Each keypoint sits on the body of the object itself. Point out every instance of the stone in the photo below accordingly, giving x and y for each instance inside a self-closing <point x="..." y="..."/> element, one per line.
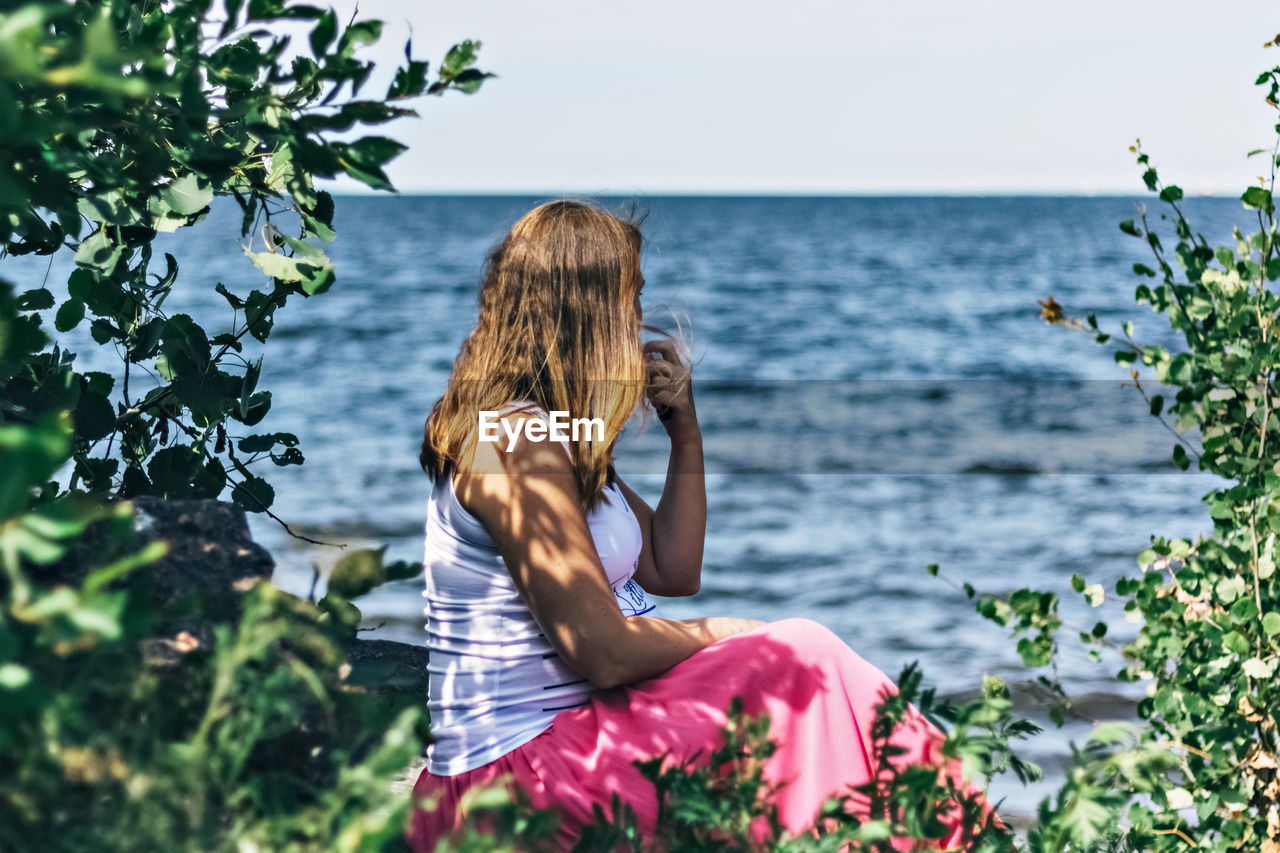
<point x="211" y="550"/>
<point x="384" y="665"/>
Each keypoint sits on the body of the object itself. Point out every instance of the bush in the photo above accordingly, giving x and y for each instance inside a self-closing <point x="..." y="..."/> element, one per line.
<point x="118" y="730"/>
<point x="1209" y="643"/>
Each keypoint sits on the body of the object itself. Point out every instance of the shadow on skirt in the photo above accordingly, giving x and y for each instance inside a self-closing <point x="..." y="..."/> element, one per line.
<point x="820" y="696"/>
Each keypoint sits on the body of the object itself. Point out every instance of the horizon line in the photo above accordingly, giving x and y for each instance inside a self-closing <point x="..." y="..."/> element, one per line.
<point x="958" y="194"/>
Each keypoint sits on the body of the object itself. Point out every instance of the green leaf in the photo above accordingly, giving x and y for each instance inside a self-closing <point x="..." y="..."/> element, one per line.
<point x="249" y="382"/>
<point x="259" y="314"/>
<point x="470" y="81"/>
<point x="259" y="443"/>
<point x="359" y="33"/>
<point x="100" y="616"/>
<point x="69" y="315"/>
<point x="98" y="252"/>
<point x="276" y="264"/>
<point x="1257" y="668"/>
<point x="100" y="296"/>
<point x="461" y="56"/>
<point x="1129" y="228"/>
<point x="1113" y="732"/>
<point x="255" y="408"/>
<point x="409" y="81"/>
<point x="171" y="470"/>
<point x="206" y="393"/>
<point x="309" y="266"/>
<point x="1171" y="193"/>
<point x="1271" y="623"/>
<point x="341" y="611"/>
<point x="373" y="151"/>
<point x="1257" y="197"/>
<point x="182" y="337"/>
<point x="103" y="330"/>
<point x="35" y="300"/>
<point x="1229" y="589"/>
<point x="1235" y="643"/>
<point x="95" y="417"/>
<point x="1180" y="457"/>
<point x="323" y="32"/>
<point x="185" y="196"/>
<point x="402" y="570"/>
<point x="357" y="572"/>
<point x="234" y="301"/>
<point x="291" y="456"/>
<point x="209" y="480"/>
<point x="254" y="494"/>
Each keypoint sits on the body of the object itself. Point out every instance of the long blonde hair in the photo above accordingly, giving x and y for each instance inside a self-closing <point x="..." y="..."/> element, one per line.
<point x="558" y="325"/>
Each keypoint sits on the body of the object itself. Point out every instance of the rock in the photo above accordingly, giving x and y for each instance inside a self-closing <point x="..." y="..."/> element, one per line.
<point x="385" y="666"/>
<point x="211" y="554"/>
<point x="395" y="674"/>
<point x="211" y="550"/>
<point x="211" y="558"/>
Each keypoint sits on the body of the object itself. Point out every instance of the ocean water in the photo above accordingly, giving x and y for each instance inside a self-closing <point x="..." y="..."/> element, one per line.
<point x="876" y="388"/>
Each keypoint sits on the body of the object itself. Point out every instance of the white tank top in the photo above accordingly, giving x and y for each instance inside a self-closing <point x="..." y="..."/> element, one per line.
<point x="494" y="681"/>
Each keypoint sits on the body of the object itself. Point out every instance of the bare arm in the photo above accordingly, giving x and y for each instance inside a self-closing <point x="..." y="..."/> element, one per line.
<point x="671" y="554"/>
<point x="671" y="559"/>
<point x="527" y="499"/>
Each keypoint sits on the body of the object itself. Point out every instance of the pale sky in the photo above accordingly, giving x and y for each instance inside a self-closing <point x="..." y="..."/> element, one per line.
<point x="805" y="96"/>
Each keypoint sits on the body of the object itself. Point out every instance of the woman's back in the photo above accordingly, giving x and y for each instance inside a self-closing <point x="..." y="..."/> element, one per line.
<point x="495" y="681"/>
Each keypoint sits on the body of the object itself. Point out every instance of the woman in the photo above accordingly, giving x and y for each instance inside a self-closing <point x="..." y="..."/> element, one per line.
<point x="549" y="665"/>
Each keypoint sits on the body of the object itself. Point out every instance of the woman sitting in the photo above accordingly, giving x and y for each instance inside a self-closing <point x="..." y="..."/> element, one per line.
<point x="549" y="665"/>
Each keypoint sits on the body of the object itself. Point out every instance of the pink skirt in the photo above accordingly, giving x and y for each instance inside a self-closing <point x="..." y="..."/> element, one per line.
<point x="820" y="696"/>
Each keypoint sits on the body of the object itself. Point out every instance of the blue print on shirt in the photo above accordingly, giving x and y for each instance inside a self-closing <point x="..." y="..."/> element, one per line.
<point x="632" y="600"/>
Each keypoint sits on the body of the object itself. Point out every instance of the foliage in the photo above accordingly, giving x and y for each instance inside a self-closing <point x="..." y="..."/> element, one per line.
<point x="204" y="726"/>
<point x="123" y="120"/>
<point x="1209" y="643"/>
<point x="118" y="732"/>
<point x="725" y="803"/>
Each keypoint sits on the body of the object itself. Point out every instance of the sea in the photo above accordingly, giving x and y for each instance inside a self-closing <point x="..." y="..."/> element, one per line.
<point x="878" y="395"/>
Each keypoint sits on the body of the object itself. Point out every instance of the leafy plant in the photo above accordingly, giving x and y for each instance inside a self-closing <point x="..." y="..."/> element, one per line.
<point x="123" y="120"/>
<point x="1209" y="643"/>
<point x="120" y="729"/>
<point x="724" y="803"/>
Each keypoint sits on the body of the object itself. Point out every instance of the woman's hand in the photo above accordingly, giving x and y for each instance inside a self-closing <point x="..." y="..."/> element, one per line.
<point x="669" y="388"/>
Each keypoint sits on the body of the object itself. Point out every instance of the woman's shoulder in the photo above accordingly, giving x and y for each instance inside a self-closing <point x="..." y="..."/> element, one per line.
<point x="503" y="443"/>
